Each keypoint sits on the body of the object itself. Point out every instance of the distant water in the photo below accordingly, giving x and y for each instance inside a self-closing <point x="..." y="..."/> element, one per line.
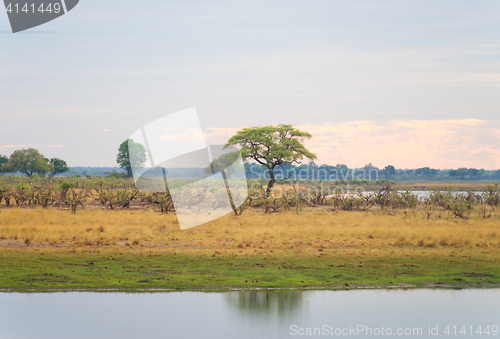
<point x="426" y="194"/>
<point x="233" y="315"/>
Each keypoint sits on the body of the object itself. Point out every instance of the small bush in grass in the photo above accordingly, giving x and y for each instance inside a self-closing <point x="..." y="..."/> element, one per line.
<point x="66" y="185"/>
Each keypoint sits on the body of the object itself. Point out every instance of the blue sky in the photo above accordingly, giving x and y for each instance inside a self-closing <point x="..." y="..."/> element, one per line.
<point x="89" y="79"/>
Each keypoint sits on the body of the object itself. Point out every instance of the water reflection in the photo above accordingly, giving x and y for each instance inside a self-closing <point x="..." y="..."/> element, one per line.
<point x="279" y="303"/>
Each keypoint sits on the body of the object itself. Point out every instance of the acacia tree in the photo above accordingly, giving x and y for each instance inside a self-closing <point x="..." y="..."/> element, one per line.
<point x="27" y="161"/>
<point x="131" y="149"/>
<point x="272" y="146"/>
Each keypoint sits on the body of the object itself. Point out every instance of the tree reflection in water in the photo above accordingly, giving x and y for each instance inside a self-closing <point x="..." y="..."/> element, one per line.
<point x="273" y="302"/>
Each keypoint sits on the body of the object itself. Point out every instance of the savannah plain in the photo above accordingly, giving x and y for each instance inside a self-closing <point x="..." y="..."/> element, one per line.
<point x="317" y="243"/>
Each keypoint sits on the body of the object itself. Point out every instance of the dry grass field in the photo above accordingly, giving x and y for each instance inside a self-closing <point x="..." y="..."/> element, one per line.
<point x="251" y="232"/>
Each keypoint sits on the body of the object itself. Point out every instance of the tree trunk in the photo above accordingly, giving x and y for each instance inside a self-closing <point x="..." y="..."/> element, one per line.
<point x="271" y="183"/>
<point x="231" y="201"/>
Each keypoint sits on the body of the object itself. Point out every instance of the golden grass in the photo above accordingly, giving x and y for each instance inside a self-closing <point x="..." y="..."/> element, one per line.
<point x="251" y="232"/>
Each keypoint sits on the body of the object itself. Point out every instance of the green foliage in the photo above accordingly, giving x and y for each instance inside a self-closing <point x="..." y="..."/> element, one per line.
<point x="130" y="155"/>
<point x="75" y="198"/>
<point x="3" y="160"/>
<point x="23" y="194"/>
<point x="117" y="175"/>
<point x="386" y="197"/>
<point x="458" y="203"/>
<point x="425" y="172"/>
<point x="27" y="161"/>
<point x="462" y="204"/>
<point x="59" y="166"/>
<point x="492" y="196"/>
<point x="272" y="146"/>
<point x="463" y="172"/>
<point x="66" y="185"/>
<point x="222" y="164"/>
<point x="389" y="171"/>
<point x="161" y="202"/>
<point x="22" y="186"/>
<point x="123" y="197"/>
<point x="352" y="202"/>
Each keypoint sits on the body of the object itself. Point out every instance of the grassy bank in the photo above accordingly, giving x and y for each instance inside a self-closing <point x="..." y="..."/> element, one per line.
<point x="45" y="249"/>
<point x="334" y="269"/>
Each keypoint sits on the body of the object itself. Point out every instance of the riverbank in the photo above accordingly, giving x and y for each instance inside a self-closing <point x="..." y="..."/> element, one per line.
<point x="136" y="269"/>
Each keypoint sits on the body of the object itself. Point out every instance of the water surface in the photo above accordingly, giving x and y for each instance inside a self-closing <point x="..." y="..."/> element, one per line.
<point x="246" y="314"/>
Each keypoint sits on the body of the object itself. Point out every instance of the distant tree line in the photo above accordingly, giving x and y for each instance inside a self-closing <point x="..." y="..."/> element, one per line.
<point x="31" y="162"/>
<point x="96" y="171"/>
<point x="311" y="171"/>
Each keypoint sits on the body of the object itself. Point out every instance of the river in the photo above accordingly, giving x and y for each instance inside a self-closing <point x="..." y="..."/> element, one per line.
<point x="412" y="313"/>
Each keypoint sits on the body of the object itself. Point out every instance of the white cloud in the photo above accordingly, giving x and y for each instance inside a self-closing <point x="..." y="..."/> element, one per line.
<point x="31" y="146"/>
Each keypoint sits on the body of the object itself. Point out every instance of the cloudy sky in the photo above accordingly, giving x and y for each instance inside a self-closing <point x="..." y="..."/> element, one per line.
<point x="407" y="83"/>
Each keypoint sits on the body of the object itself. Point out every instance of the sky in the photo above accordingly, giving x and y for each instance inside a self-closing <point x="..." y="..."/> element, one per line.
<point x="406" y="83"/>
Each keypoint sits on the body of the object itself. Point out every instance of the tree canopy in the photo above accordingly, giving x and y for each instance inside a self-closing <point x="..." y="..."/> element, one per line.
<point x="3" y="160"/>
<point x="223" y="164"/>
<point x="58" y="166"/>
<point x="130" y="155"/>
<point x="272" y="146"/>
<point x="389" y="171"/>
<point x="27" y="161"/>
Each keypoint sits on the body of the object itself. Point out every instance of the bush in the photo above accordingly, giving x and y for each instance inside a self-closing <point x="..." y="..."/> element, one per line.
<point x="66" y="185"/>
